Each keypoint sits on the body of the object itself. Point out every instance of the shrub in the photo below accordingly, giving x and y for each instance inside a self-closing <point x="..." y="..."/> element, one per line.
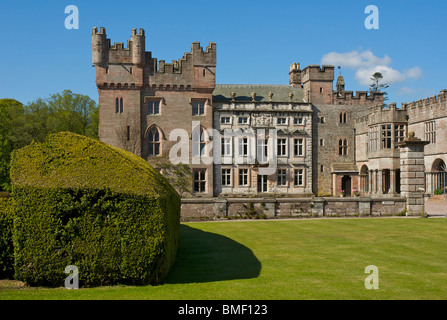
<point x="81" y="202"/>
<point x="6" y="246"/>
<point x="438" y="192"/>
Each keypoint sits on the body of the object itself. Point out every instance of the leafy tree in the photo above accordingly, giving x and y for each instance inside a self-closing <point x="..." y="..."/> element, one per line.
<point x="19" y="124"/>
<point x="11" y="120"/>
<point x="378" y="86"/>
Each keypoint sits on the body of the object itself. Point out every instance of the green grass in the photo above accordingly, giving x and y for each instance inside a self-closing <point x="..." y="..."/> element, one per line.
<point x="298" y="259"/>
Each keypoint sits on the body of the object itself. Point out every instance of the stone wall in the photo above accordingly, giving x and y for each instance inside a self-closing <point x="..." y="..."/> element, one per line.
<point x="276" y="208"/>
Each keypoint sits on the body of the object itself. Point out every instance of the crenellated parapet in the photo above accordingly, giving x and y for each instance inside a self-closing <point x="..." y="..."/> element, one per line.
<point x="132" y="67"/>
<point x="380" y="115"/>
<point x="196" y="69"/>
<point x="427" y="108"/>
<point x="363" y="98"/>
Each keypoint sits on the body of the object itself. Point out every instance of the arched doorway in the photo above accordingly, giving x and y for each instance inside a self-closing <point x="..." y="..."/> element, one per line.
<point x="438" y="177"/>
<point x="364" y="179"/>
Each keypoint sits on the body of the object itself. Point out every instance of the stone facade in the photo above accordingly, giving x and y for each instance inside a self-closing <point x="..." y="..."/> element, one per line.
<point x="305" y="140"/>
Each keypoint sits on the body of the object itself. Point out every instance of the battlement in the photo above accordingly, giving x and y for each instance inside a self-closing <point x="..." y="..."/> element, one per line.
<point x="197" y="57"/>
<point x="431" y="102"/>
<point x="102" y="31"/>
<point x="383" y="114"/>
<point x="430" y="107"/>
<point x="132" y="66"/>
<point x="295" y="67"/>
<point x="316" y="73"/>
<point x="134" y="32"/>
<point x="360" y="98"/>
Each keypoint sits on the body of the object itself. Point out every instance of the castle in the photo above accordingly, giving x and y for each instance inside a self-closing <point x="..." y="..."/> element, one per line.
<point x="325" y="140"/>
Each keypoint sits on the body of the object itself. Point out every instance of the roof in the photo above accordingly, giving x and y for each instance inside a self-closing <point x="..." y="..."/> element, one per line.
<point x="344" y="167"/>
<point x="243" y="93"/>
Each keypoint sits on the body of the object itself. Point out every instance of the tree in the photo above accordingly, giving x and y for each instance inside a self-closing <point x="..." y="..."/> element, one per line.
<point x="11" y="120"/>
<point x="378" y="86"/>
<point x="20" y="125"/>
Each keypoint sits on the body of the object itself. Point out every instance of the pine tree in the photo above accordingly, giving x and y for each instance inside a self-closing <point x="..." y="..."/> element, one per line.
<point x="378" y="86"/>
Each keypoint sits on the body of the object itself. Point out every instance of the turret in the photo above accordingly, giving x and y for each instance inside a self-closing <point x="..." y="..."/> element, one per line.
<point x="295" y="75"/>
<point x="340" y="85"/>
<point x="138" y="47"/>
<point x="99" y="46"/>
<point x="317" y="83"/>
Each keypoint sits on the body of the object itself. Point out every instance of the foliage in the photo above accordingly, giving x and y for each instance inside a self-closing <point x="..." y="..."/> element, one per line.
<point x="6" y="246"/>
<point x="11" y="122"/>
<point x="378" y="86"/>
<point x="178" y="175"/>
<point x="81" y="202"/>
<point x="21" y="124"/>
<point x="438" y="192"/>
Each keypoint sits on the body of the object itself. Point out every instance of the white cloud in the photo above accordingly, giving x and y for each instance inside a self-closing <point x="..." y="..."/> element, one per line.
<point x="365" y="64"/>
<point x="354" y="59"/>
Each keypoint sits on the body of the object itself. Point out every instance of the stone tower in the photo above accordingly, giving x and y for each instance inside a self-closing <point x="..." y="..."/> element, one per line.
<point x="142" y="100"/>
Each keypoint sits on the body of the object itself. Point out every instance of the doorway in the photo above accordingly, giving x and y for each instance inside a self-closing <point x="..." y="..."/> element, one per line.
<point x="346" y="185"/>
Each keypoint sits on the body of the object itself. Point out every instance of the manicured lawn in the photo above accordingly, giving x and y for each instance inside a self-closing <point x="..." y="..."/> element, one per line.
<point x="296" y="259"/>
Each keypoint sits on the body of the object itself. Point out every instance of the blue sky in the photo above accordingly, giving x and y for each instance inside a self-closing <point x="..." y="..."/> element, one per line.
<point x="256" y="41"/>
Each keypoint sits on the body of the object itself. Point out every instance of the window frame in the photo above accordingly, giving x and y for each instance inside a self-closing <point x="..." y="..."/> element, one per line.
<point x="154" y="144"/>
<point x="297" y="145"/>
<point x="298" y="173"/>
<point x="226" y="178"/>
<point x="282" y="147"/>
<point x="282" y="178"/>
<point x="243" y="173"/>
<point x="151" y="107"/>
<point x="200" y="181"/>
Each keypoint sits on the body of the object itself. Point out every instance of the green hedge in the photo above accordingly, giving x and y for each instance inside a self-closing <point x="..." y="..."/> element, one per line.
<point x="6" y="246"/>
<point x="81" y="202"/>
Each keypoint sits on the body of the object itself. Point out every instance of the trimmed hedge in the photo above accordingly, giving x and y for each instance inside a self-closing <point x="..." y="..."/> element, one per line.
<point x="81" y="202"/>
<point x="6" y="246"/>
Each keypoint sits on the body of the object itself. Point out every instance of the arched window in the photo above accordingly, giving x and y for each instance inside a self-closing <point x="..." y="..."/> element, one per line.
<point x="154" y="142"/>
<point x="117" y="105"/>
<point x="199" y="140"/>
<point x="121" y="105"/>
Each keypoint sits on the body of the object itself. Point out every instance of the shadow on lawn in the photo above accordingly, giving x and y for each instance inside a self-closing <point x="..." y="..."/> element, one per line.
<point x="205" y="257"/>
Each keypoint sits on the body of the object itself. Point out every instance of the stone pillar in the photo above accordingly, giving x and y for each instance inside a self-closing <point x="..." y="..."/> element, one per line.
<point x="379" y="181"/>
<point x="412" y="172"/>
<point x="318" y="207"/>
<point x="364" y="206"/>
<point x="374" y="182"/>
<point x="371" y="185"/>
<point x="392" y="181"/>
